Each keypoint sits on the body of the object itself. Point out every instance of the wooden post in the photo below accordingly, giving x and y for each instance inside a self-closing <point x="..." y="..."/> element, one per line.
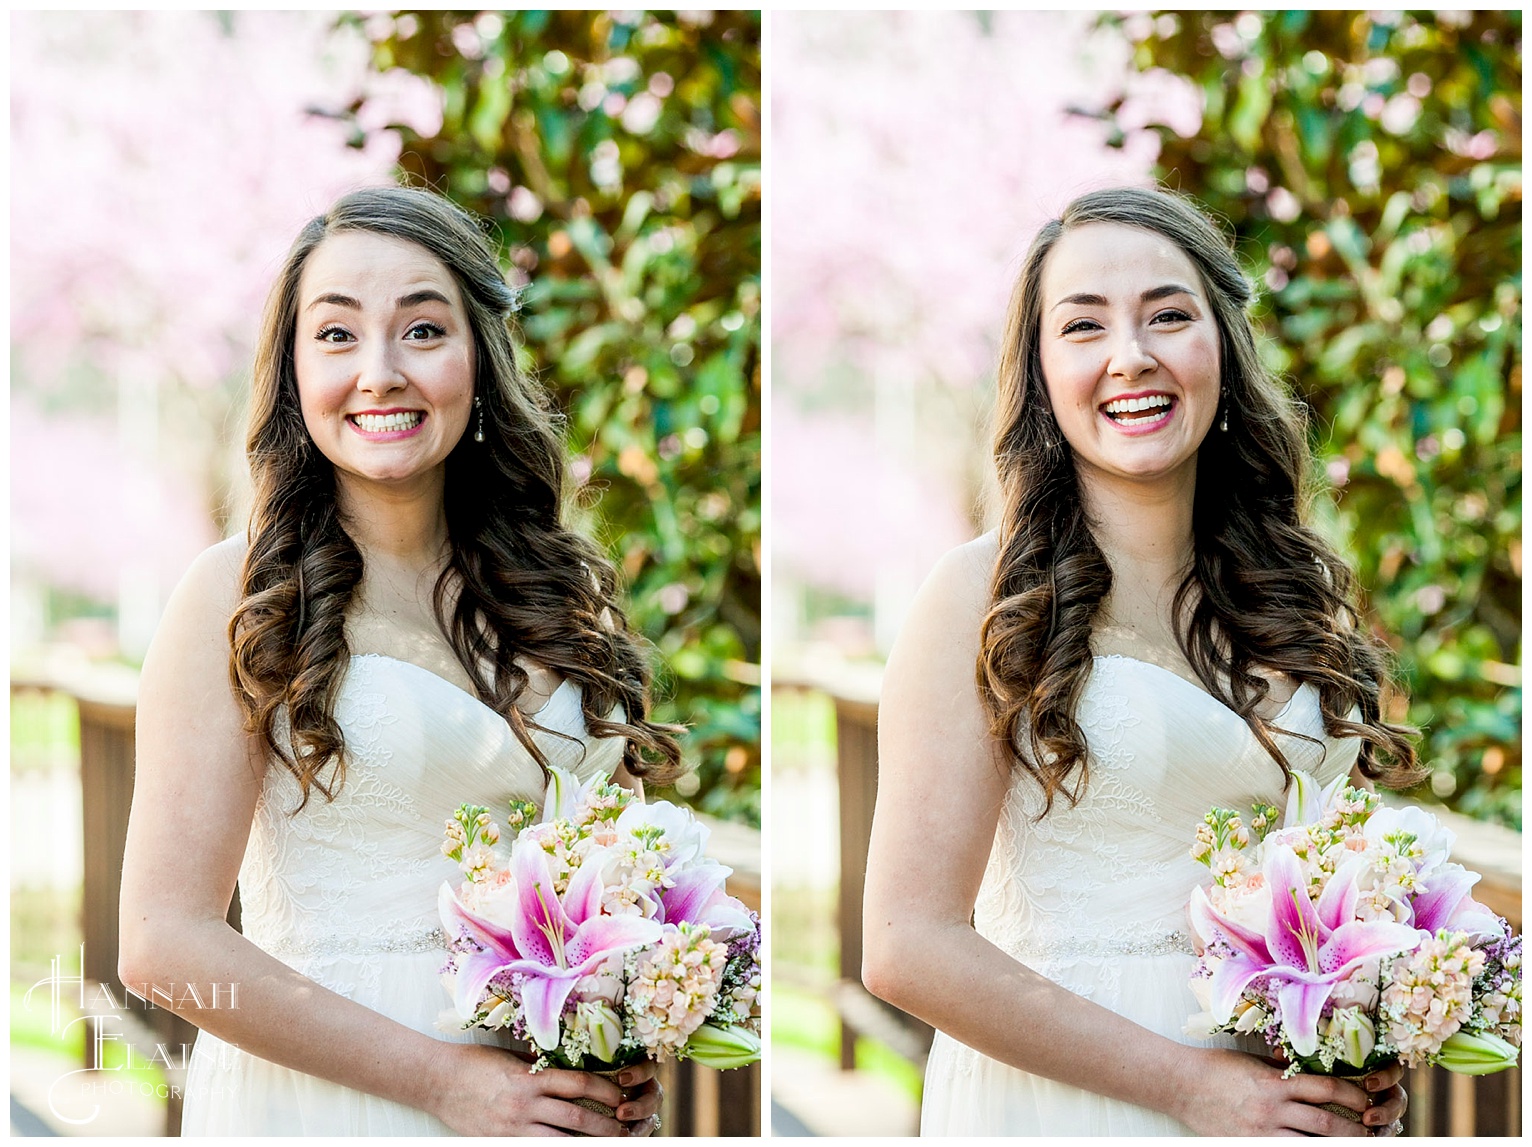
<point x="856" y="736"/>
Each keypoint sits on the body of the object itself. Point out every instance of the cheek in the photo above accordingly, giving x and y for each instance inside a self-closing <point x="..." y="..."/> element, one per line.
<point x="319" y="389"/>
<point x="1069" y="383"/>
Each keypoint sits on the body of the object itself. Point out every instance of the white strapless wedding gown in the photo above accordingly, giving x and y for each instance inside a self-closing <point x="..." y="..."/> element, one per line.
<point x="345" y="892"/>
<point x="1094" y="897"/>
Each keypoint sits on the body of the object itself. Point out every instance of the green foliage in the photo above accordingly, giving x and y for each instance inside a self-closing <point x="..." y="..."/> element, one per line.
<point x="618" y="157"/>
<point x="1370" y="165"/>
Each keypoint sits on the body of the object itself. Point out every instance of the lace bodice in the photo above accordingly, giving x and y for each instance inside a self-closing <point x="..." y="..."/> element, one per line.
<point x="1111" y="876"/>
<point x="359" y="875"/>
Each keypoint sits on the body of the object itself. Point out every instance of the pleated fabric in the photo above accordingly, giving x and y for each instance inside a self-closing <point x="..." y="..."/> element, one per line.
<point x="1094" y="896"/>
<point x="345" y="892"/>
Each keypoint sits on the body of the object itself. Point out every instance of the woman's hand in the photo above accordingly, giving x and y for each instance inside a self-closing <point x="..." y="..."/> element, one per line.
<point x="1243" y="1095"/>
<point x="642" y="1095"/>
<point x="490" y="1091"/>
<point x="1389" y="1100"/>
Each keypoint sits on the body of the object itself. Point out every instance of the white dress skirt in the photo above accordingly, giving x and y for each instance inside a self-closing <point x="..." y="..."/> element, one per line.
<point x="345" y="891"/>
<point x="1094" y="897"/>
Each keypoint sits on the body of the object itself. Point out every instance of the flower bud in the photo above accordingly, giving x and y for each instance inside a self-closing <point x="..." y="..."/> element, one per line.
<point x="499" y="1015"/>
<point x="1481" y="1054"/>
<point x="723" y="1047"/>
<point x="1358" y="1036"/>
<point x="605" y="1029"/>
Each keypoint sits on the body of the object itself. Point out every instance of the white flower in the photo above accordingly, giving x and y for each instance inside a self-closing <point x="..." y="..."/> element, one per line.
<point x="684" y="837"/>
<point x="1433" y="840"/>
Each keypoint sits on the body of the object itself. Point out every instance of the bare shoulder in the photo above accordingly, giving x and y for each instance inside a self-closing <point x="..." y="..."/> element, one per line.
<point x="955" y="596"/>
<point x="216" y="570"/>
<point x="198" y="612"/>
<point x="931" y="667"/>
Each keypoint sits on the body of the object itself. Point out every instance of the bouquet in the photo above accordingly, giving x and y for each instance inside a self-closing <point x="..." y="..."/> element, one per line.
<point x="1349" y="941"/>
<point x="599" y="932"/>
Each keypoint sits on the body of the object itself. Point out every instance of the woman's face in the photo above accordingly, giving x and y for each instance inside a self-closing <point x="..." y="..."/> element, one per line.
<point x="1130" y="352"/>
<point x="384" y="357"/>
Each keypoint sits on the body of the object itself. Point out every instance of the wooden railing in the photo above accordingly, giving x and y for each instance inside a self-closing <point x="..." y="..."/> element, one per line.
<point x="698" y="1100"/>
<point x="1440" y="1103"/>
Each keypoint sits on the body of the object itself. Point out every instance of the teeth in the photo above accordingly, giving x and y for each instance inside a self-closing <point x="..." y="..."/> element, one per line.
<point x="378" y="423"/>
<point x="1134" y="405"/>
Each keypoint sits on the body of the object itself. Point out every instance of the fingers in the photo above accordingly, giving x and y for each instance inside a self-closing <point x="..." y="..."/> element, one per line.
<point x="1319" y="1089"/>
<point x="1384" y="1078"/>
<point x="637" y="1073"/>
<point x="643" y="1104"/>
<point x="645" y="1127"/>
<point x="571" y="1117"/>
<point x="577" y="1085"/>
<point x="1387" y="1107"/>
<point x="1311" y="1120"/>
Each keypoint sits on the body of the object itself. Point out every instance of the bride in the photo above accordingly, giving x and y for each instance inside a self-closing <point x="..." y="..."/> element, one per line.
<point x="407" y="626"/>
<point x="1151" y="632"/>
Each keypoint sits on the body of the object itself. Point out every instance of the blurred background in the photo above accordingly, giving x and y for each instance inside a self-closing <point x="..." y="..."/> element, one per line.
<point x="1369" y="165"/>
<point x="162" y="164"/>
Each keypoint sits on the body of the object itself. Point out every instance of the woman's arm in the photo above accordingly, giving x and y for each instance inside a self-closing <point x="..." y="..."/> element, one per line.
<point x="198" y="774"/>
<point x="940" y="789"/>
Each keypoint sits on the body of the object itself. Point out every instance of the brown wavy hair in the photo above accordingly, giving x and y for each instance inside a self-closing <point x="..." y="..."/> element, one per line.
<point x="517" y="582"/>
<point x="1263" y="589"/>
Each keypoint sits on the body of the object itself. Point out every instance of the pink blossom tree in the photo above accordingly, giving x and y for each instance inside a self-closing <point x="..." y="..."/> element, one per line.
<point x="914" y="154"/>
<point x="161" y="164"/>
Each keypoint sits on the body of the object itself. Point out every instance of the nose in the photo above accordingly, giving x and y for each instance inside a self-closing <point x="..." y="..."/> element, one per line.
<point x="1129" y="358"/>
<point x="379" y="372"/>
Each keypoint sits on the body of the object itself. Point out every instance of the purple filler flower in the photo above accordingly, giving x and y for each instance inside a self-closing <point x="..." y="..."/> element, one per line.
<point x="1306" y="948"/>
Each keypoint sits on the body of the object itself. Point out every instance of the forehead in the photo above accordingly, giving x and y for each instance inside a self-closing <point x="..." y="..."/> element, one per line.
<point x="1094" y="258"/>
<point x="364" y="264"/>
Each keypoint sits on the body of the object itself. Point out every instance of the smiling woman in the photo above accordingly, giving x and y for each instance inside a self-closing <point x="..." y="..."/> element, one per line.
<point x="407" y="617"/>
<point x="1152" y="628"/>
<point x="1130" y="353"/>
<point x="391" y="363"/>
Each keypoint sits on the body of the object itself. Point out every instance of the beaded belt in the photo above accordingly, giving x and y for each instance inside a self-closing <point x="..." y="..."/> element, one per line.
<point x="1072" y="947"/>
<point x="404" y="941"/>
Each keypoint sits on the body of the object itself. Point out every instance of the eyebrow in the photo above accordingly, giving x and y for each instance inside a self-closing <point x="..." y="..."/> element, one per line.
<point x="413" y="299"/>
<point x="1153" y="294"/>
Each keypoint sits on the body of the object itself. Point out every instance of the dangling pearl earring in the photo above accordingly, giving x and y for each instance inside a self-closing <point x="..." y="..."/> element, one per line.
<point x="1223" y="416"/>
<point x="478" y="404"/>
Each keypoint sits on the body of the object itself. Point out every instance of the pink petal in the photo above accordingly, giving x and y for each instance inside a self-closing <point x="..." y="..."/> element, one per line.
<point x="600" y="936"/>
<point x="1292" y="912"/>
<point x="726" y="917"/>
<point x="542" y="1004"/>
<point x="474" y="969"/>
<point x="582" y="899"/>
<point x="1230" y="979"/>
<point x="1444" y="891"/>
<point x="1301" y="1001"/>
<point x="693" y="888"/>
<point x="538" y="905"/>
<point x="1337" y="903"/>
<point x="1357" y="941"/>
<point x="1207" y="920"/>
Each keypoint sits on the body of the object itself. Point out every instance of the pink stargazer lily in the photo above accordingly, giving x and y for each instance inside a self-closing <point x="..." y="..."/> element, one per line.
<point x="697" y="897"/>
<point x="1445" y="902"/>
<point x="552" y="942"/>
<point x="1306" y="950"/>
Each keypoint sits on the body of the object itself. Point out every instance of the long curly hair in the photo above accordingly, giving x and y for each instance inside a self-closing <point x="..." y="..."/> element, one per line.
<point x="517" y="582"/>
<point x="1263" y="590"/>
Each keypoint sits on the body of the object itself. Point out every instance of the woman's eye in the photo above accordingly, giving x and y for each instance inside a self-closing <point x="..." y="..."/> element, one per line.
<point x="1172" y="317"/>
<point x="333" y="335"/>
<point x="420" y="332"/>
<point x="1081" y="325"/>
